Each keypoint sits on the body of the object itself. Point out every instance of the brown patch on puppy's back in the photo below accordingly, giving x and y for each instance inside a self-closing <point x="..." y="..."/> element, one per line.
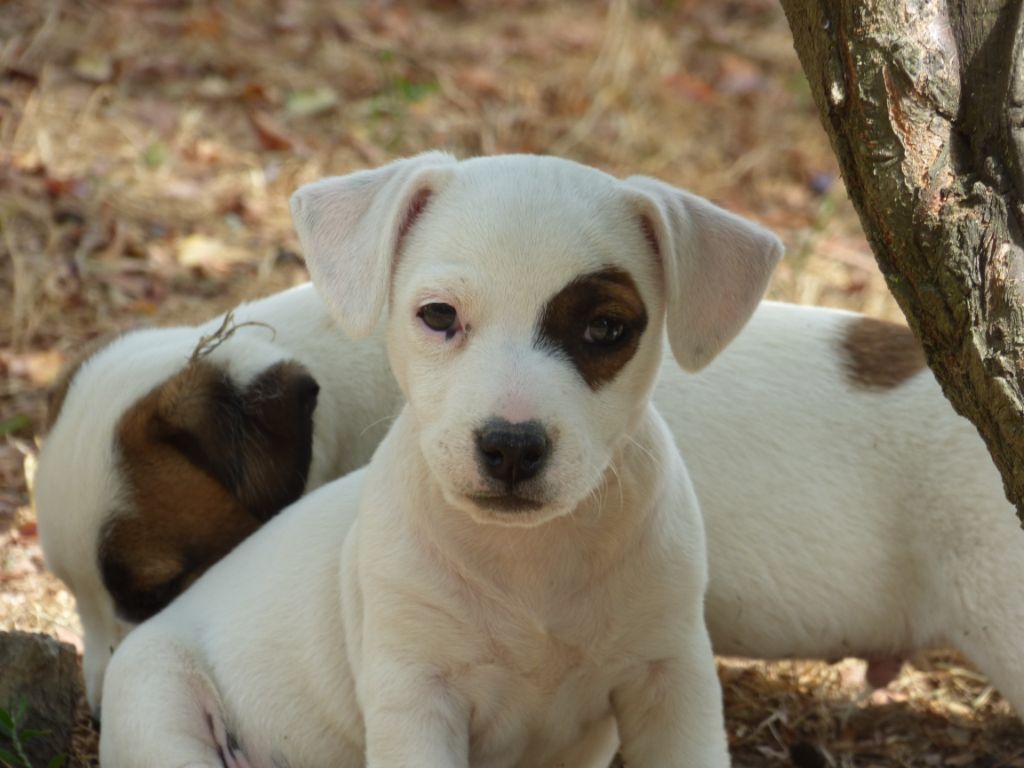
<point x="880" y="355"/>
<point x="206" y="463"/>
<point x="609" y="293"/>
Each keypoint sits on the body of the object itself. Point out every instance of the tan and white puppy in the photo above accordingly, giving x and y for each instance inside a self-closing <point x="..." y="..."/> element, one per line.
<point x="159" y="459"/>
<point x="527" y="556"/>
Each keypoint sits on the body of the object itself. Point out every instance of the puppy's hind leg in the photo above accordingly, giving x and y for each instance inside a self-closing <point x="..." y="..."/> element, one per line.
<point x="160" y="708"/>
<point x="981" y="595"/>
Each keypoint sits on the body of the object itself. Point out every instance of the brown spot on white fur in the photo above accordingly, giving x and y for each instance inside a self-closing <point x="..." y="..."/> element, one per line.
<point x="880" y="355"/>
<point x="59" y="389"/>
<point x="206" y="463"/>
<point x="608" y="294"/>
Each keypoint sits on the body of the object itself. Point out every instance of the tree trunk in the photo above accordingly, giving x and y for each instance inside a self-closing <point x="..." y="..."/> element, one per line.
<point x="924" y="103"/>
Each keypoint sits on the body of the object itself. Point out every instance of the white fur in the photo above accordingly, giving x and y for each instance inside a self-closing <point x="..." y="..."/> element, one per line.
<point x="80" y="484"/>
<point x="426" y="629"/>
<point x="843" y="521"/>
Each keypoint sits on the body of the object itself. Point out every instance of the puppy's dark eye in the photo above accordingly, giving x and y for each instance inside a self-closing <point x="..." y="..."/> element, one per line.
<point x="438" y="317"/>
<point x="604" y="331"/>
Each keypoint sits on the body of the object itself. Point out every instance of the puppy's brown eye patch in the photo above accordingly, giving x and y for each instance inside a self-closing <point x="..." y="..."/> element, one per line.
<point x="596" y="321"/>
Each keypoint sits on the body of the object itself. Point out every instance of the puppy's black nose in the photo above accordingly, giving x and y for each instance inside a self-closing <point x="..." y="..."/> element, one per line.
<point x="512" y="452"/>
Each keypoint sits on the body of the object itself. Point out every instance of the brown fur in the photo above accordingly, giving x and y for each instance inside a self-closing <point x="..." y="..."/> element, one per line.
<point x="880" y="355"/>
<point x="205" y="464"/>
<point x="609" y="293"/>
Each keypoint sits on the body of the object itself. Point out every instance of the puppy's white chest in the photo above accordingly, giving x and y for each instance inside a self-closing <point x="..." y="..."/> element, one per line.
<point x="541" y="672"/>
<point x="535" y="697"/>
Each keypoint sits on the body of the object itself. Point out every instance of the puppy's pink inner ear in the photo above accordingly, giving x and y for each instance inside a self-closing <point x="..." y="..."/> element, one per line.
<point x="649" y="234"/>
<point x="417" y="204"/>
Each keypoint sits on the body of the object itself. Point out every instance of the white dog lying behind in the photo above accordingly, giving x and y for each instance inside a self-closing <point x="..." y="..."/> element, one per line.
<point x="528" y="555"/>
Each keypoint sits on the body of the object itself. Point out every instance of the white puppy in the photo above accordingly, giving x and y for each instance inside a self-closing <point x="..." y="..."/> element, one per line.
<point x="160" y="460"/>
<point x="528" y="555"/>
<point x="849" y="510"/>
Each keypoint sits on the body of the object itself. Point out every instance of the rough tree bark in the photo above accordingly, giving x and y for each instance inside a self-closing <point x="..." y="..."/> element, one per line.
<point x="924" y="103"/>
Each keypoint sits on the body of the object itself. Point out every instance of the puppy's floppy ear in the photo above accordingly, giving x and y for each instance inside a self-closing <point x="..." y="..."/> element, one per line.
<point x="256" y="440"/>
<point x="716" y="267"/>
<point x="352" y="227"/>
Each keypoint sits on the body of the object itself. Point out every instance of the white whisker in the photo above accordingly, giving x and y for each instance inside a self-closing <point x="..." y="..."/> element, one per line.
<point x="381" y="420"/>
<point x="645" y="450"/>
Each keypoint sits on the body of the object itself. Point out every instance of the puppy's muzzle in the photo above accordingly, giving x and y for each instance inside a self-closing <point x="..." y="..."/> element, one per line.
<point x="512" y="453"/>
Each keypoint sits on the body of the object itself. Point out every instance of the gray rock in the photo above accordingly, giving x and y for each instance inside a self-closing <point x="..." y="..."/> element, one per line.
<point x="45" y="672"/>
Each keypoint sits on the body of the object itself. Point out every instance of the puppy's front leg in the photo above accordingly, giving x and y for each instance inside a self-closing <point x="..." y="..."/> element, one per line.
<point x="670" y="713"/>
<point x="413" y="718"/>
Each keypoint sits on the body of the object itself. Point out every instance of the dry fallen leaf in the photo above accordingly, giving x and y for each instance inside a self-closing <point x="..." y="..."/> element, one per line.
<point x="270" y="134"/>
<point x="94" y="66"/>
<point x="310" y="102"/>
<point x="210" y="254"/>
<point x="39" y="367"/>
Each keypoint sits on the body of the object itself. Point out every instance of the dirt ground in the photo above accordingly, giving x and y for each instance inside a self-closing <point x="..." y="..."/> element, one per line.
<point x="148" y="147"/>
